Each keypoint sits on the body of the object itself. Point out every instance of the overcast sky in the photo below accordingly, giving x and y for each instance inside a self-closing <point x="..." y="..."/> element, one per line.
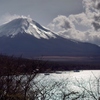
<point x="42" y="11"/>
<point x="75" y="19"/>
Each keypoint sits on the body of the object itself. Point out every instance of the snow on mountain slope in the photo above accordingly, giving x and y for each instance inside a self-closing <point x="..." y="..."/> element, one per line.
<point x="23" y="36"/>
<point x="25" y="25"/>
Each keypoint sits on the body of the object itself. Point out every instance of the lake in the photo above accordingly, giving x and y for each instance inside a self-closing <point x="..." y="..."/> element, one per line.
<point x="83" y="85"/>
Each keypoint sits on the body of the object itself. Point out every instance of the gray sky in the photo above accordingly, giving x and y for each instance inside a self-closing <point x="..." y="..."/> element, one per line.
<point x="42" y="11"/>
<point x="74" y="19"/>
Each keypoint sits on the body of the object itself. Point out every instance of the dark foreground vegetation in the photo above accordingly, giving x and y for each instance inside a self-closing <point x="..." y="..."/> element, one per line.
<point x="18" y="80"/>
<point x="19" y="65"/>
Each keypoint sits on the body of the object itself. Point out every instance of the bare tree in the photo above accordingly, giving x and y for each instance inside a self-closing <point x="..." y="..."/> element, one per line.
<point x="90" y="88"/>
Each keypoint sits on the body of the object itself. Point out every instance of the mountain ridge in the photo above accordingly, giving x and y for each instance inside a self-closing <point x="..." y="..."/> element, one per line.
<point x="25" y="25"/>
<point x="28" y="38"/>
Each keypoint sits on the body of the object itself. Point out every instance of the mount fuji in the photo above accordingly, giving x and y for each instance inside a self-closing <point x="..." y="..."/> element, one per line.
<point x="23" y="36"/>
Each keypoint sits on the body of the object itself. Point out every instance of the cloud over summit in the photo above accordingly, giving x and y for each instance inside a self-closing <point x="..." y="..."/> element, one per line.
<point x="8" y="17"/>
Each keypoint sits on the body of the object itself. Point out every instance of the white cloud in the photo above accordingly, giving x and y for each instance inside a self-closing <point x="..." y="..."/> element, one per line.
<point x="8" y="17"/>
<point x="73" y="34"/>
<point x="61" y="23"/>
<point x="80" y="19"/>
<point x="82" y="27"/>
<point x="92" y="10"/>
<point x="87" y="36"/>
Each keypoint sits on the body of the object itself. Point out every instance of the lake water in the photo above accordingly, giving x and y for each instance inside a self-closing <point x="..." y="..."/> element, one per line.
<point x="81" y="82"/>
<point x="82" y="74"/>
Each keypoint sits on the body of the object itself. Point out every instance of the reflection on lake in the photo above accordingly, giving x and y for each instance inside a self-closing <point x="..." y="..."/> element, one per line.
<point x="71" y="85"/>
<point x="85" y="74"/>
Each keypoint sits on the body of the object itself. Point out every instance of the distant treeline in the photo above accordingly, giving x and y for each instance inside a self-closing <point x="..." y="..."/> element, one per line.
<point x="19" y="65"/>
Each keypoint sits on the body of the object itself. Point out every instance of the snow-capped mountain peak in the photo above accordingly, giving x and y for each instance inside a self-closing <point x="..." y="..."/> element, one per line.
<point x="23" y="36"/>
<point x="25" y="25"/>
